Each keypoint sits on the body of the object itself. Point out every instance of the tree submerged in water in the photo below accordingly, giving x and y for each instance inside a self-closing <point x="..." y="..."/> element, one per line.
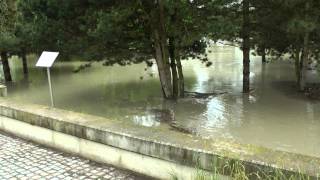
<point x="288" y="27"/>
<point x="126" y="32"/>
<point x="167" y="31"/>
<point x="161" y="31"/>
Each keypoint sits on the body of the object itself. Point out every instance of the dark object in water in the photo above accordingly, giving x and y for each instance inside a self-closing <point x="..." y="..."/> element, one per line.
<point x="82" y="67"/>
<point x="176" y="127"/>
<point x="202" y="95"/>
<point x="313" y="92"/>
<point x="208" y="64"/>
<point x="149" y="63"/>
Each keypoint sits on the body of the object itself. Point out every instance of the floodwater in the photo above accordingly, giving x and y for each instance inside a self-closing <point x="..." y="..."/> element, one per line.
<point x="274" y="115"/>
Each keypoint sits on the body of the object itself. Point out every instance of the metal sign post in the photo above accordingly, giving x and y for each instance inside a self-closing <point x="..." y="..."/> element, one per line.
<point x="46" y="60"/>
<point x="50" y="87"/>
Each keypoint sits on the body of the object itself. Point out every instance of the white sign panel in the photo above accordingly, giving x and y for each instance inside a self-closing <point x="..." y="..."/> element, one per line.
<point x="47" y="59"/>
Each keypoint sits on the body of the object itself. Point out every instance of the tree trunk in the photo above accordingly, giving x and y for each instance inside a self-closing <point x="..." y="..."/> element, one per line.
<point x="263" y="54"/>
<point x="5" y="66"/>
<point x="181" y="76"/>
<point x="163" y="68"/>
<point x="305" y="55"/>
<point x="24" y="63"/>
<point x="297" y="64"/>
<point x="304" y="62"/>
<point x="175" y="80"/>
<point x="246" y="46"/>
<point x="161" y="51"/>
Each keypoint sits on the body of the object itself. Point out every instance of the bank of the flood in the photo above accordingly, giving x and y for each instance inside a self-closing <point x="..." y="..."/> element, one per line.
<point x="153" y="151"/>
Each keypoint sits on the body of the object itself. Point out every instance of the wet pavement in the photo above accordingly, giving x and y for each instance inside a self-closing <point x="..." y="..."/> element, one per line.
<point x="20" y="159"/>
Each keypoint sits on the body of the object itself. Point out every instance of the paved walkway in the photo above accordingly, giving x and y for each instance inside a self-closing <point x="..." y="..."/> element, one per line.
<point x="20" y="159"/>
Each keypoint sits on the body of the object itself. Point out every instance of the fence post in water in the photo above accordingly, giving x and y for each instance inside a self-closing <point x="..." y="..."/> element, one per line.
<point x="3" y="90"/>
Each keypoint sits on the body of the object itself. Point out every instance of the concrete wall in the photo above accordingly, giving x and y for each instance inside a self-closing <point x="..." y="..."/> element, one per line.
<point x="156" y="152"/>
<point x="150" y="166"/>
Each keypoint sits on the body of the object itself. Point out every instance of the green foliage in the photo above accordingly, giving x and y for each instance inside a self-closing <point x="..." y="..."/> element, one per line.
<point x="280" y="25"/>
<point x="7" y="26"/>
<point x="123" y="31"/>
<point x="3" y="14"/>
<point x="115" y="31"/>
<point x="225" y="21"/>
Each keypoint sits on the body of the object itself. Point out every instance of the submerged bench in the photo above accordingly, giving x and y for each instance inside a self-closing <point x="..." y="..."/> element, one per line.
<point x="157" y="152"/>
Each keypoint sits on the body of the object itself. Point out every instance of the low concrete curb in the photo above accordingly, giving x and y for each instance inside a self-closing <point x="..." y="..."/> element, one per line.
<point x="158" y="152"/>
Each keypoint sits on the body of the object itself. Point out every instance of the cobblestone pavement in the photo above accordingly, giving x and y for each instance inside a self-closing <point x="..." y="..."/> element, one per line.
<point x="20" y="159"/>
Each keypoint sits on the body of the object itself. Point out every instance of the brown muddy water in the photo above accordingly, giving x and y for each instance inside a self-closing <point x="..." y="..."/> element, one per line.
<point x="274" y="115"/>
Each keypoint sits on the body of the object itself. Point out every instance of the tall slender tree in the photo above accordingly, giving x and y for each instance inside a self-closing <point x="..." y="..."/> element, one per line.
<point x="246" y="45"/>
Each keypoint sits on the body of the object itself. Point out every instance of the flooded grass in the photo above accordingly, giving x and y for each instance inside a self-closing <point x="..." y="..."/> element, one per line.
<point x="238" y="171"/>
